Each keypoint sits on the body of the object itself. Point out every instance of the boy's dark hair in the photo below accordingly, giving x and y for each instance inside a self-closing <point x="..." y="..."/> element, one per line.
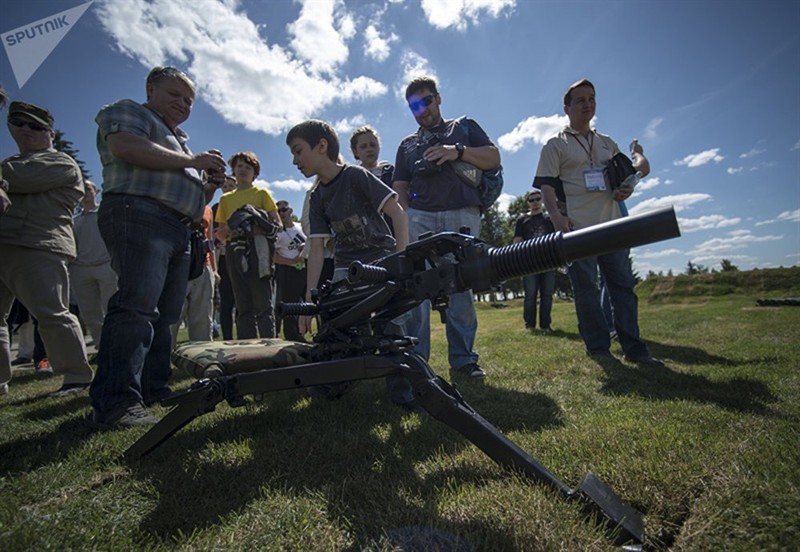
<point x="421" y="83"/>
<point x="568" y="94"/>
<point x="312" y="131"/>
<point x="248" y="157"/>
<point x="366" y="129"/>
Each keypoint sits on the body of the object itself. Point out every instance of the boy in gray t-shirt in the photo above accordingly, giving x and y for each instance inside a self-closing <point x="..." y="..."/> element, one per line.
<point x="348" y="204"/>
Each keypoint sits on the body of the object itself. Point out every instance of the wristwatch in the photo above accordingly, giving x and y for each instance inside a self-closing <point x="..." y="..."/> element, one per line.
<point x="460" y="149"/>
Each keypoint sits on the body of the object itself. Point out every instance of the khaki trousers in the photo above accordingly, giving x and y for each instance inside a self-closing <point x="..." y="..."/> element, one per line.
<point x="39" y="280"/>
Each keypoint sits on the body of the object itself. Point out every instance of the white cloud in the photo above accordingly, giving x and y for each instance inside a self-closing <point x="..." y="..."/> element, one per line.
<point x="412" y="65"/>
<point x="679" y="202"/>
<point x="658" y="254"/>
<point x="752" y="153"/>
<point x="319" y="34"/>
<point x="347" y="125"/>
<point x="378" y="47"/>
<point x="645" y="185"/>
<point x="534" y="129"/>
<point x="737" y="170"/>
<point x="504" y="201"/>
<point x="698" y="159"/>
<point x="650" y="132"/>
<point x="243" y="77"/>
<point x="786" y="216"/>
<point x="721" y="246"/>
<point x="796" y="146"/>
<point x="290" y="185"/>
<point x="443" y="14"/>
<point x="707" y="222"/>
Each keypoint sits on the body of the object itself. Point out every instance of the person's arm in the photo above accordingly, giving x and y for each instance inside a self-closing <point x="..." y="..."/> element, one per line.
<point x="484" y="157"/>
<point x="560" y="222"/>
<point x="399" y="222"/>
<point x="313" y="272"/>
<point x="403" y="197"/>
<point x="41" y="172"/>
<point x="5" y="202"/>
<point x="640" y="162"/>
<point x="139" y="151"/>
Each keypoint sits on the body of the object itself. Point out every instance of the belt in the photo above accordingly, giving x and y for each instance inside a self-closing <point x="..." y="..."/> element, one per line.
<point x="186" y="220"/>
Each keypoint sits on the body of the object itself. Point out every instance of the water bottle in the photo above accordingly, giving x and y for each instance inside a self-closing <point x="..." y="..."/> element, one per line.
<point x="632" y="180"/>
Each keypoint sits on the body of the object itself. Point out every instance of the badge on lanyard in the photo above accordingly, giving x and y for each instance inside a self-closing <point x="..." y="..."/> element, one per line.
<point x="594" y="180"/>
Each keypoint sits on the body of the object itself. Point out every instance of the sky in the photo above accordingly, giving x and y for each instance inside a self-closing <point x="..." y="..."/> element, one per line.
<point x="710" y="88"/>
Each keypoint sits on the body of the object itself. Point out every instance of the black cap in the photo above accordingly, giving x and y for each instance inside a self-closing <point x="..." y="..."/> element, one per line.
<point x="38" y="114"/>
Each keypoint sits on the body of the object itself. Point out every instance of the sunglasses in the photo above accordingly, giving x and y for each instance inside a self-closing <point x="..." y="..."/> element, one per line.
<point x="422" y="103"/>
<point x="283" y="209"/>
<point x="33" y="126"/>
<point x="534" y="199"/>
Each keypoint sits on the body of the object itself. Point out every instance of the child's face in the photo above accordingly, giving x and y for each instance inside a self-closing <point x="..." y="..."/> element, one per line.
<point x="305" y="158"/>
<point x="244" y="172"/>
<point x="368" y="149"/>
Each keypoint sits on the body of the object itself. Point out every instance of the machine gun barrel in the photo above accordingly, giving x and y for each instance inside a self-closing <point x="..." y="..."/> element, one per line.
<point x="555" y="250"/>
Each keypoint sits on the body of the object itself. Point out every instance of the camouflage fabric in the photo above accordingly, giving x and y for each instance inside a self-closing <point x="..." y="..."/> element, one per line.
<point x="208" y="359"/>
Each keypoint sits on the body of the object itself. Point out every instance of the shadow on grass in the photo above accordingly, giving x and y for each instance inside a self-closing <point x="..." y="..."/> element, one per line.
<point x="696" y="355"/>
<point x="29" y="453"/>
<point x="739" y="394"/>
<point x="359" y="453"/>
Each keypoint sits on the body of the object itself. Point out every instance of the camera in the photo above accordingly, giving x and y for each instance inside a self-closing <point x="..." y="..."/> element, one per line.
<point x="423" y="167"/>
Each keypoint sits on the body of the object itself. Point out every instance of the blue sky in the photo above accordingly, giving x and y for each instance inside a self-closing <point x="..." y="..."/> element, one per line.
<point x="710" y="88"/>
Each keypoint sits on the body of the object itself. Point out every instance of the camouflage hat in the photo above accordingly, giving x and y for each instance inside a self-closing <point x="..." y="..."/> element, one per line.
<point x="38" y="114"/>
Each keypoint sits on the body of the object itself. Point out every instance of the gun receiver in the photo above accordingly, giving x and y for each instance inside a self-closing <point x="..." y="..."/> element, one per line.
<point x="351" y="343"/>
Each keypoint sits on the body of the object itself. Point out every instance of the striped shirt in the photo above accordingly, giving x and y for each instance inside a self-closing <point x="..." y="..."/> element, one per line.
<point x="179" y="189"/>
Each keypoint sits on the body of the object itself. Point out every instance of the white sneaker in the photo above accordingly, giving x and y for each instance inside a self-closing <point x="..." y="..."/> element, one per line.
<point x="3" y="389"/>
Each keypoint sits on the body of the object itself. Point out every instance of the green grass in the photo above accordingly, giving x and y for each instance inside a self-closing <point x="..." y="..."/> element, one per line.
<point x="707" y="448"/>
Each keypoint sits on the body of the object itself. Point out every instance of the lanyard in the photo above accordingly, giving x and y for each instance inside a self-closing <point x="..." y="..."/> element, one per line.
<point x="590" y="140"/>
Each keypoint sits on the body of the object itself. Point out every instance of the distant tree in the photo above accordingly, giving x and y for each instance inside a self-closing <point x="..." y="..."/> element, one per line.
<point x="727" y="266"/>
<point x="495" y="227"/>
<point x="669" y="273"/>
<point x="651" y="274"/>
<point x="517" y="208"/>
<point x="61" y="144"/>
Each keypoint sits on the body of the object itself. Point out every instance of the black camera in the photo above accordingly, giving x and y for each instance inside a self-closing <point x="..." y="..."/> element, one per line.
<point x="423" y="167"/>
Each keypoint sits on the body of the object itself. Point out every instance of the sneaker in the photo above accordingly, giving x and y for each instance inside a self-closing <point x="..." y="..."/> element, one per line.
<point x="601" y="355"/>
<point x="647" y="362"/>
<point x="121" y="417"/>
<point x="19" y="361"/>
<point x="3" y="389"/>
<point x="70" y="389"/>
<point x="471" y="370"/>
<point x="43" y="367"/>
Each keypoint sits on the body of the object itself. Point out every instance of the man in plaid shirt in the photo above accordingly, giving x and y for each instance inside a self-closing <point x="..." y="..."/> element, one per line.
<point x="152" y="195"/>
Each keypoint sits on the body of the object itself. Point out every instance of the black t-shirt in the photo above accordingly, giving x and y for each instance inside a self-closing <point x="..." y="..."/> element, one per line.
<point x="533" y="226"/>
<point x="444" y="190"/>
<point x="349" y="209"/>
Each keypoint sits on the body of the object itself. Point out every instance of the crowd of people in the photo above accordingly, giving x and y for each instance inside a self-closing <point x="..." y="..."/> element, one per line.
<point x="153" y="254"/>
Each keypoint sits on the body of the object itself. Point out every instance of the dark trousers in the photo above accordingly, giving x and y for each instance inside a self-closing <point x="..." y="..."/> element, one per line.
<point x="253" y="295"/>
<point x="226" y="300"/>
<point x="291" y="288"/>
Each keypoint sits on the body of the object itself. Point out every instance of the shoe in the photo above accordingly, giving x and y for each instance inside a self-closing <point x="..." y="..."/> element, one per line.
<point x="546" y="329"/>
<point x="3" y="389"/>
<point x="157" y="396"/>
<point x="601" y="355"/>
<point x="121" y="417"/>
<point x="19" y="361"/>
<point x="70" y="389"/>
<point x="471" y="370"/>
<point x="43" y="367"/>
<point x="647" y="362"/>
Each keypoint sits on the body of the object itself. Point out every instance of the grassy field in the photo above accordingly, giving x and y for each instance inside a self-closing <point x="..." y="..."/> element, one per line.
<point x="708" y="448"/>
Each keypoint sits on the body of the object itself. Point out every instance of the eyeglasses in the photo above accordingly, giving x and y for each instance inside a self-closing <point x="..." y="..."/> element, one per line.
<point x="19" y="123"/>
<point x="534" y="199"/>
<point x="422" y="103"/>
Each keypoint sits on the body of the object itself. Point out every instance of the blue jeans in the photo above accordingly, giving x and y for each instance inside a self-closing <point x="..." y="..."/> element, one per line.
<point x="616" y="270"/>
<point x="534" y="284"/>
<point x="462" y="323"/>
<point x="149" y="251"/>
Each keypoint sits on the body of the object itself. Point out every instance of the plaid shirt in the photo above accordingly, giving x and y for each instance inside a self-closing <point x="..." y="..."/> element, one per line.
<point x="180" y="189"/>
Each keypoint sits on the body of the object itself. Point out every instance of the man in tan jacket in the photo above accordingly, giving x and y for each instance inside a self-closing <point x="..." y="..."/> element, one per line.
<point x="36" y="241"/>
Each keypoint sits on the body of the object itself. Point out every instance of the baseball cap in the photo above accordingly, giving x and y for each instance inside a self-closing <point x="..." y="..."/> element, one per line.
<point x="38" y="114"/>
